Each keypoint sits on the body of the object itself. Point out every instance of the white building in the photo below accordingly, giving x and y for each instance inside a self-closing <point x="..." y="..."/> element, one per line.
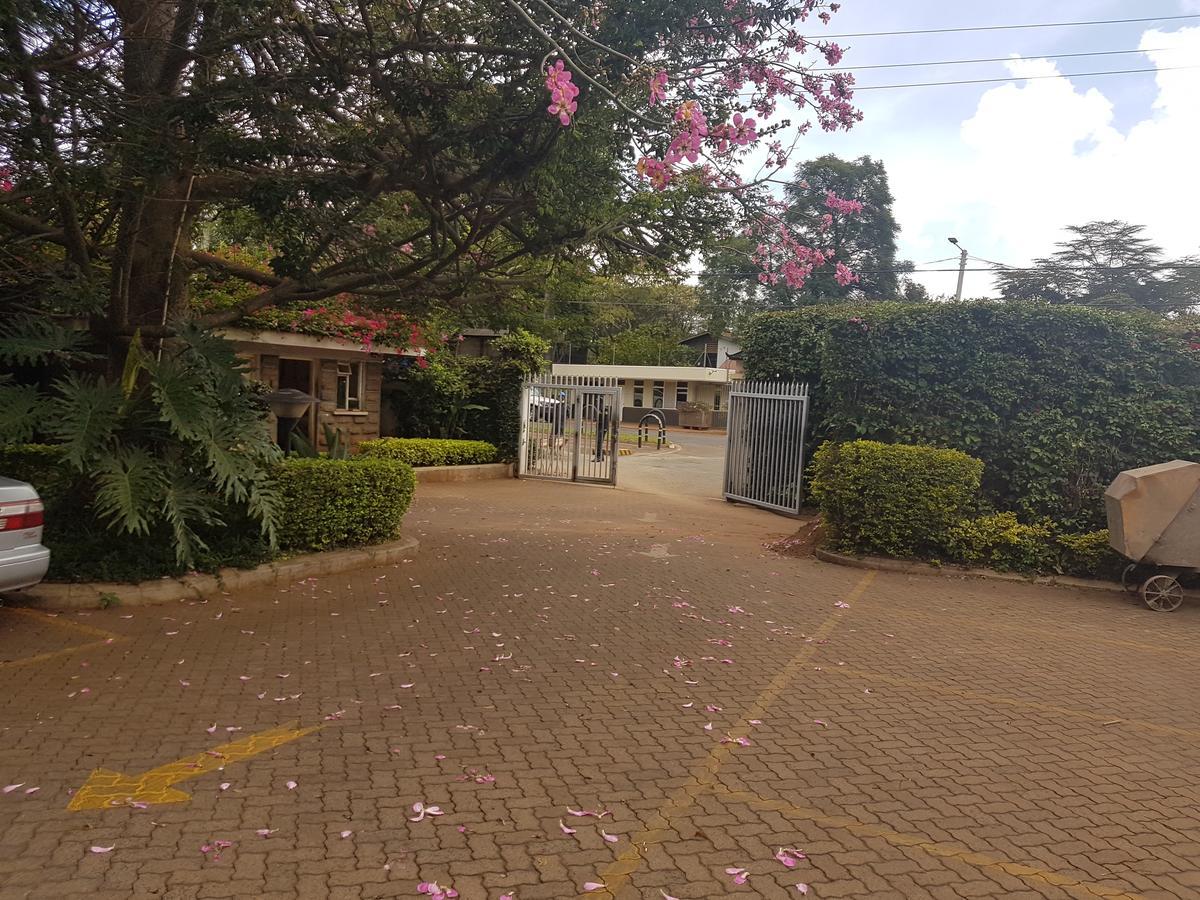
<point x="662" y="387"/>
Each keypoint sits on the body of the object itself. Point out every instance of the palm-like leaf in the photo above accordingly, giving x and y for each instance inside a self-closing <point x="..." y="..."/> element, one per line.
<point x="19" y="408"/>
<point x="130" y="484"/>
<point x="84" y="417"/>
<point x="34" y="340"/>
<point x="187" y="409"/>
<point x="185" y="505"/>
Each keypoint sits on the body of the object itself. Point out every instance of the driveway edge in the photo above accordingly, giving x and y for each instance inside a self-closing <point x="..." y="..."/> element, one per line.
<point x="915" y="568"/>
<point x="89" y="595"/>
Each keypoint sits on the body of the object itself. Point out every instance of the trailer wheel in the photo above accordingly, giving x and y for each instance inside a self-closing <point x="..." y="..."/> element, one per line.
<point x="1162" y="593"/>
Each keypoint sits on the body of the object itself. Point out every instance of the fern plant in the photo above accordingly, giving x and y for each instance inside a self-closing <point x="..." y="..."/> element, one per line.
<point x="174" y="443"/>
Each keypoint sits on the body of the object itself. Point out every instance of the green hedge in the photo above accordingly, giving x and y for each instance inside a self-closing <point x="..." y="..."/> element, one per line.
<point x="329" y="503"/>
<point x="430" y="451"/>
<point x="1000" y="541"/>
<point x="892" y="499"/>
<point x="39" y="464"/>
<point x="1056" y="400"/>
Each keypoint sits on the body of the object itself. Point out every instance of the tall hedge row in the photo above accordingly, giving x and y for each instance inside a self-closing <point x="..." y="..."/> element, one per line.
<point x="1055" y="400"/>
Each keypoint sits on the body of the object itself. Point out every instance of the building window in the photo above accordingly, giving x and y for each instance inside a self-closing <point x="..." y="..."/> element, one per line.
<point x="717" y="400"/>
<point x="637" y="394"/>
<point x="681" y="392"/>
<point x="659" y="387"/>
<point x="349" y="386"/>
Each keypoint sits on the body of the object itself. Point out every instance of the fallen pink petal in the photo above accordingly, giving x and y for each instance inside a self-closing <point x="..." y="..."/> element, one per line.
<point x="611" y="838"/>
<point x="103" y="849"/>
<point x="802" y="887"/>
<point x="589" y="886"/>
<point x="565" y="829"/>
<point x="739" y="875"/>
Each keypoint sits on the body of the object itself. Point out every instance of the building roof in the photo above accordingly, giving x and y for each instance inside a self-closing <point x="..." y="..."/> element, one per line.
<point x="329" y="345"/>
<point x="644" y="373"/>
<point x="706" y="337"/>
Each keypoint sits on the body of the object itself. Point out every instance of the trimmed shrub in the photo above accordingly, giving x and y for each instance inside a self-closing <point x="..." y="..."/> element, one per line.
<point x="892" y="499"/>
<point x="430" y="451"/>
<point x="328" y="503"/>
<point x="1056" y="400"/>
<point x="1001" y="542"/>
<point x="1089" y="555"/>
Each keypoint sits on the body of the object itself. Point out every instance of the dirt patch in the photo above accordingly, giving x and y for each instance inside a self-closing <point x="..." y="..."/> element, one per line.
<point x="804" y="541"/>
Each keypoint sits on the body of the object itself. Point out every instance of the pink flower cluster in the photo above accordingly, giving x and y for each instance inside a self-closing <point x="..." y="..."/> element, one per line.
<point x="838" y="205"/>
<point x="741" y="133"/>
<point x="687" y="143"/>
<point x="658" y="87"/>
<point x="562" y="93"/>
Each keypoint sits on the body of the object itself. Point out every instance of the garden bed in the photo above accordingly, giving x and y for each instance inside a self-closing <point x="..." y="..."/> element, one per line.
<point x="198" y="585"/>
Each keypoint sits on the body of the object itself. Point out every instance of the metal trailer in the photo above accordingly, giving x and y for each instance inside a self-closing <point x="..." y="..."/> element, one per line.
<point x="1154" y="521"/>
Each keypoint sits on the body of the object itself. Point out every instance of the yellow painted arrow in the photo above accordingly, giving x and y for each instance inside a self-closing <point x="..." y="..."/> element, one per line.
<point x="105" y="789"/>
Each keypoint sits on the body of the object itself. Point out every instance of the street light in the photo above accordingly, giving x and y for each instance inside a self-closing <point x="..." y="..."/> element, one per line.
<point x="962" y="267"/>
<point x="289" y="406"/>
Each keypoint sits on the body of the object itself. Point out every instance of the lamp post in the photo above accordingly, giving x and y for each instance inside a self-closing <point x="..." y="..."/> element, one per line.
<point x="289" y="406"/>
<point x="962" y="267"/>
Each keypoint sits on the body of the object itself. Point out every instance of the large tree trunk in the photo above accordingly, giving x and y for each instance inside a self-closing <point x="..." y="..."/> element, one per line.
<point x="149" y="274"/>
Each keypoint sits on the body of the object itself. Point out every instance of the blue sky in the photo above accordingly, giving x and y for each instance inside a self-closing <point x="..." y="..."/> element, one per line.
<point x="1005" y="167"/>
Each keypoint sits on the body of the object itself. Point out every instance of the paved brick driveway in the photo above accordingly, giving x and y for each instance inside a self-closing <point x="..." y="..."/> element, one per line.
<point x="913" y="737"/>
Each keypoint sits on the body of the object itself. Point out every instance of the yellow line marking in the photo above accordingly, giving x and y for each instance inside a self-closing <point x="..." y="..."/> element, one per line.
<point x="105" y="789"/>
<point x="69" y="624"/>
<point x="106" y="637"/>
<point x="941" y="849"/>
<point x="703" y="777"/>
<point x="998" y="700"/>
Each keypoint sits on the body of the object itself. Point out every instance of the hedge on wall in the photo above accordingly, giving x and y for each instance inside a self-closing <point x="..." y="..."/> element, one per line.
<point x="430" y="451"/>
<point x="1056" y="400"/>
<point x="892" y="499"/>
<point x="330" y="503"/>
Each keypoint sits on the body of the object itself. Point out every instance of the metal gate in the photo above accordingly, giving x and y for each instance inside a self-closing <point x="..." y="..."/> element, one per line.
<point x="764" y="451"/>
<point x="569" y="429"/>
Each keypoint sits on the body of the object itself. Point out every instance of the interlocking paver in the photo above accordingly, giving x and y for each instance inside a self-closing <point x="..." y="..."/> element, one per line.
<point x="979" y="739"/>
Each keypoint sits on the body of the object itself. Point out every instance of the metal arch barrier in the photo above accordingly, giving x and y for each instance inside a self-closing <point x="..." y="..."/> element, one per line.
<point x="764" y="449"/>
<point x="569" y="429"/>
<point x="662" y="428"/>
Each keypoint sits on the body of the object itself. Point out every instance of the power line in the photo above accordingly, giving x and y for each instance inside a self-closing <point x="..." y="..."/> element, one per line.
<point x="1009" y="27"/>
<point x="990" y="59"/>
<point x="888" y="87"/>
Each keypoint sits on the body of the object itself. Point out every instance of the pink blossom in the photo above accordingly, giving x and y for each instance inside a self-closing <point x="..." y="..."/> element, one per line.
<point x="562" y="93"/>
<point x="658" y="87"/>
<point x="845" y="207"/>
<point x="844" y="277"/>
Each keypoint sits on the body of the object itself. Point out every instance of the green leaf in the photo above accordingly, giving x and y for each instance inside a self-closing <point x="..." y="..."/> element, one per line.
<point x="130" y="485"/>
<point x="35" y="340"/>
<point x="185" y="407"/>
<point x="136" y="359"/>
<point x="19" y="408"/>
<point x="84" y="417"/>
<point x="185" y="505"/>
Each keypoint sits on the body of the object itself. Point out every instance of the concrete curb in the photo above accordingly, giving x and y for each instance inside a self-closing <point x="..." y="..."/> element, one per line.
<point x="443" y="474"/>
<point x="87" y="595"/>
<point x="915" y="568"/>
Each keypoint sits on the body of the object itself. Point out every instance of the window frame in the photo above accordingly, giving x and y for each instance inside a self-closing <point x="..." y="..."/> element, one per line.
<point x="658" y="394"/>
<point x="683" y="393"/>
<point x="639" y="394"/>
<point x="354" y="378"/>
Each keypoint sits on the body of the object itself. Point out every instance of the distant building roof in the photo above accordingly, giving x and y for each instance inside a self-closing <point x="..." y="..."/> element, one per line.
<point x="705" y="338"/>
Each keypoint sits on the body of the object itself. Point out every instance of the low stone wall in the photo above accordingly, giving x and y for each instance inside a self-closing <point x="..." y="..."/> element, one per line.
<point x="89" y="595"/>
<point x="439" y="474"/>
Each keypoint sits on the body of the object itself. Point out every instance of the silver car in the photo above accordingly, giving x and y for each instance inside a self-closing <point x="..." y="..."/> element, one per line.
<point x="23" y="559"/>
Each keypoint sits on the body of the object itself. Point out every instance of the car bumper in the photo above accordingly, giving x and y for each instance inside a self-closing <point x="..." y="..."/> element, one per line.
<point x="23" y="567"/>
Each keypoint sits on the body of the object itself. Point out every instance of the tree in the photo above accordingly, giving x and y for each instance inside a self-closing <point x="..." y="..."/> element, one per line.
<point x="1109" y="264"/>
<point x="402" y="152"/>
<point x="864" y="240"/>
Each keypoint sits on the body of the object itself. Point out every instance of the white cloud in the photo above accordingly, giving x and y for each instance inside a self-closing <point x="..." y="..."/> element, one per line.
<point x="1040" y="155"/>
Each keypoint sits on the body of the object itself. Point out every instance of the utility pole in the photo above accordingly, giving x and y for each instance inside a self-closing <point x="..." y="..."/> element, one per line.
<point x="962" y="268"/>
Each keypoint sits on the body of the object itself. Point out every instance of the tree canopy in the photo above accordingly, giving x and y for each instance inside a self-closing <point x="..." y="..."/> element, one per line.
<point x="863" y="239"/>
<point x="1109" y="264"/>
<point x="401" y="152"/>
